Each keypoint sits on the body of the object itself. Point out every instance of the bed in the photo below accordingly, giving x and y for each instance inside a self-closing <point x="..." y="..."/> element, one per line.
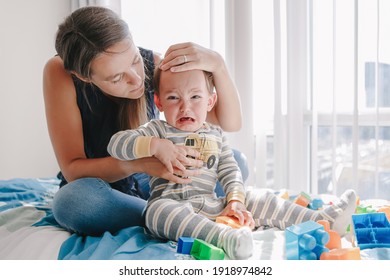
<point x="28" y="231"/>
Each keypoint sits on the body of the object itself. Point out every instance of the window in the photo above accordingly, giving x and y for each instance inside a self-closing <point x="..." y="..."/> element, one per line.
<point x="156" y="25"/>
<point x="330" y="93"/>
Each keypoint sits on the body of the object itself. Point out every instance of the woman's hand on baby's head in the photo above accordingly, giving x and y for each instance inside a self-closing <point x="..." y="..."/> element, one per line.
<point x="189" y="56"/>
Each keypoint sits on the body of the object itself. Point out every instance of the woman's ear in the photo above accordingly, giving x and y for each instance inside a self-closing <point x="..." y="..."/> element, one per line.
<point x="157" y="101"/>
<point x="211" y="102"/>
<point x="82" y="78"/>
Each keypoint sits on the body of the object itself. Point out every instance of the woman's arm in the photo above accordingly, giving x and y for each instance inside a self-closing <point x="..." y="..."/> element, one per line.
<point x="227" y="111"/>
<point x="65" y="130"/>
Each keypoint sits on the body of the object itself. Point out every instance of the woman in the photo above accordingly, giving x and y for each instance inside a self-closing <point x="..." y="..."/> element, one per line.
<point x="101" y="83"/>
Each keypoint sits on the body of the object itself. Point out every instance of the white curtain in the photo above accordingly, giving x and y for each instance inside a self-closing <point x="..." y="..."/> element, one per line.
<point x="239" y="58"/>
<point x="329" y="86"/>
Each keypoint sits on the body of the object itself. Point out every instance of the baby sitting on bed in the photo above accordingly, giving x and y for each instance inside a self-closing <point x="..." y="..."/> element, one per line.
<point x="190" y="210"/>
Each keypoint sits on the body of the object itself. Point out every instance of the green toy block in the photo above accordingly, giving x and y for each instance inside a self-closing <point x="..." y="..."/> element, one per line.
<point x="202" y="250"/>
<point x="364" y="209"/>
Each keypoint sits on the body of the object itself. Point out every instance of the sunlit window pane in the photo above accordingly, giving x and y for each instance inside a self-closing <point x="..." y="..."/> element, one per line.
<point x="157" y="24"/>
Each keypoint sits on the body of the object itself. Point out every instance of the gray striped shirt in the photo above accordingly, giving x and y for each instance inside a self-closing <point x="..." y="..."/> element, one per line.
<point x="209" y="140"/>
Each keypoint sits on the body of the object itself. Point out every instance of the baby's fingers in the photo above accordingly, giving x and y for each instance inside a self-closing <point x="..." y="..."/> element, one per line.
<point x="179" y="165"/>
<point x="248" y="220"/>
<point x="191" y="153"/>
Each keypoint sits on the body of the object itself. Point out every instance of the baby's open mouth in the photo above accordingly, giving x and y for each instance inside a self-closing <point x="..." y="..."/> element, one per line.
<point x="186" y="119"/>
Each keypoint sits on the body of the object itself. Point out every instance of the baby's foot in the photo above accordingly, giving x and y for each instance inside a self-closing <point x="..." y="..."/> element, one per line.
<point x="238" y="243"/>
<point x="341" y="211"/>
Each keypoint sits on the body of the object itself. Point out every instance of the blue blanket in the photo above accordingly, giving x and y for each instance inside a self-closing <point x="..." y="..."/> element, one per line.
<point x="25" y="203"/>
<point x="128" y="244"/>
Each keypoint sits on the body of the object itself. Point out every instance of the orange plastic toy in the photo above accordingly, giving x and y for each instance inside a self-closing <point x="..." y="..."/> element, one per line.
<point x="342" y="254"/>
<point x="229" y="221"/>
<point x="386" y="210"/>
<point x="334" y="237"/>
<point x="303" y="199"/>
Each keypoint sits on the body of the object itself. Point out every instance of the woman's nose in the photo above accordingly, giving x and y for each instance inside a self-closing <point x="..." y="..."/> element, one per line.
<point x="133" y="78"/>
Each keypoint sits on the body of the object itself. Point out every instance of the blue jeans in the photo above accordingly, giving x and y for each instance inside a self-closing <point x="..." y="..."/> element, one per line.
<point x="89" y="206"/>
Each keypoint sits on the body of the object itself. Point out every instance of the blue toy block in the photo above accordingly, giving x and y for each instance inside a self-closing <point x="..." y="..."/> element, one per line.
<point x="184" y="245"/>
<point x="372" y="230"/>
<point x="306" y="241"/>
<point x="316" y="204"/>
<point x="202" y="250"/>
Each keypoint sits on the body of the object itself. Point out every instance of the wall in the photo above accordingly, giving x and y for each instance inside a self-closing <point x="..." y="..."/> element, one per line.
<point x="27" y="30"/>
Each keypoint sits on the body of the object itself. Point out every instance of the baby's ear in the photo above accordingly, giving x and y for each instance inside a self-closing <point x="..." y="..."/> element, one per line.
<point x="211" y="102"/>
<point x="158" y="102"/>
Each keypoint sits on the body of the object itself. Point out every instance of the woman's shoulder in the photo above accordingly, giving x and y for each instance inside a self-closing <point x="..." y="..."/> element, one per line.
<point x="56" y="79"/>
<point x="55" y="63"/>
<point x="54" y="69"/>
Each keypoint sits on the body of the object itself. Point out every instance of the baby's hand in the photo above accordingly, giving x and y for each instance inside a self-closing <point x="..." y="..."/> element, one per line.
<point x="237" y="209"/>
<point x="173" y="156"/>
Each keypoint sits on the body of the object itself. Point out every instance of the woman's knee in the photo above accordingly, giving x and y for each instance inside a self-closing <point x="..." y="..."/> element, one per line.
<point x="77" y="193"/>
<point x="74" y="200"/>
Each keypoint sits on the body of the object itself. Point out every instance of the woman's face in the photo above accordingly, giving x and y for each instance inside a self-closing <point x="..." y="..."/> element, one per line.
<point x="120" y="71"/>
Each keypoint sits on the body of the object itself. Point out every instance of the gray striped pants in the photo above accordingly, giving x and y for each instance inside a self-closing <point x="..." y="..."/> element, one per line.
<point x="195" y="217"/>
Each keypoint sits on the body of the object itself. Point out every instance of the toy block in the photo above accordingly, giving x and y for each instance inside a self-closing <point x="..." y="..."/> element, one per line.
<point x="306" y="241"/>
<point x="184" y="245"/>
<point x="316" y="204"/>
<point x="334" y="240"/>
<point x="202" y="250"/>
<point x="364" y="209"/>
<point x="229" y="221"/>
<point x="372" y="230"/>
<point x="302" y="199"/>
<point x="386" y="210"/>
<point x="342" y="254"/>
<point x="334" y="237"/>
<point x="283" y="193"/>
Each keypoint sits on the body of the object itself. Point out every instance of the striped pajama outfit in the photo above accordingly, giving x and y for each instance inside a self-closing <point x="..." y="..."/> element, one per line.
<point x="176" y="210"/>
